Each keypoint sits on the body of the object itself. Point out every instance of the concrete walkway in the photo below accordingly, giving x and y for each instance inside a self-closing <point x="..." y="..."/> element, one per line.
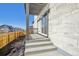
<point x="39" y="45"/>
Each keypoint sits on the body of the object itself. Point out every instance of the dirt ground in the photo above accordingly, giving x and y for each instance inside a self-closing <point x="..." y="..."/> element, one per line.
<point x="15" y="48"/>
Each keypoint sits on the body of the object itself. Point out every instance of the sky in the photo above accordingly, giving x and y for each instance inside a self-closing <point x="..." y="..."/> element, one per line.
<point x="14" y="14"/>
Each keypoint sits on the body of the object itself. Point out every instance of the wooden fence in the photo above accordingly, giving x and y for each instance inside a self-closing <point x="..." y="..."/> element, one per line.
<point x="9" y="37"/>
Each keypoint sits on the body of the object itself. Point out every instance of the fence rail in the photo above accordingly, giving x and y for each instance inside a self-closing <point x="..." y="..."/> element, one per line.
<point x="6" y="38"/>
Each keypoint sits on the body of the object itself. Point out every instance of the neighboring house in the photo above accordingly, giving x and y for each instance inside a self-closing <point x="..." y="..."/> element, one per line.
<point x="60" y="23"/>
<point x="4" y="30"/>
<point x="7" y="28"/>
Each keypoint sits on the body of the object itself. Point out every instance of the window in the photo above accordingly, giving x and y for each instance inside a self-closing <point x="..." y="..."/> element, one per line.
<point x="44" y="23"/>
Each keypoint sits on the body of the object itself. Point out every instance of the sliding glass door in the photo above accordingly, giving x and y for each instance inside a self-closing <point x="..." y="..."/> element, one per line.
<point x="44" y="23"/>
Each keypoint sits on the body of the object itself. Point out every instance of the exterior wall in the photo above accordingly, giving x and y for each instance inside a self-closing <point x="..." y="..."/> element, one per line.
<point x="63" y="26"/>
<point x="64" y="22"/>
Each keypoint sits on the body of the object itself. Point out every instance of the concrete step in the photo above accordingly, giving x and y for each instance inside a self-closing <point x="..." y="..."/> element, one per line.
<point x="39" y="50"/>
<point x="48" y="53"/>
<point x="37" y="36"/>
<point x="38" y="40"/>
<point x="37" y="43"/>
<point x="40" y="46"/>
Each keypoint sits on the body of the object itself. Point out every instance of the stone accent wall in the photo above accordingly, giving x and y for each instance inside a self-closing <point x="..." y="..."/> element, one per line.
<point x="64" y="27"/>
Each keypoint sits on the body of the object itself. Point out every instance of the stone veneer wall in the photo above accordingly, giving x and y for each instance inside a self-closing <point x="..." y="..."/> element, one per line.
<point x="63" y="26"/>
